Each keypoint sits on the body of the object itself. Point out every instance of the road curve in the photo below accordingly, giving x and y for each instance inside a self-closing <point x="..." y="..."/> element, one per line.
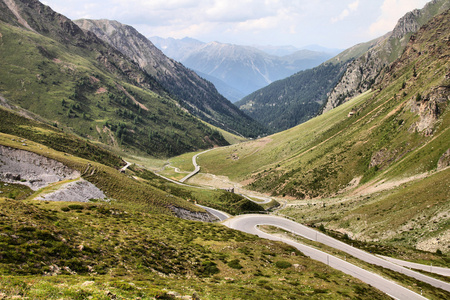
<point x="249" y="223"/>
<point x="196" y="166"/>
<point x="222" y="216"/>
<point x="427" y="268"/>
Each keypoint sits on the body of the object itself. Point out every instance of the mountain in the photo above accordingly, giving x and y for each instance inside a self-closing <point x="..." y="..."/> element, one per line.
<point x="244" y="68"/>
<point x="363" y="72"/>
<point x="296" y="99"/>
<point x="177" y="49"/>
<point x="376" y="167"/>
<point x="276" y="50"/>
<point x="195" y="94"/>
<point x="54" y="70"/>
<point x="293" y="100"/>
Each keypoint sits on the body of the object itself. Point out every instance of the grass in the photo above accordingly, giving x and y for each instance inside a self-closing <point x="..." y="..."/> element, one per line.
<point x="100" y="249"/>
<point x="218" y="199"/>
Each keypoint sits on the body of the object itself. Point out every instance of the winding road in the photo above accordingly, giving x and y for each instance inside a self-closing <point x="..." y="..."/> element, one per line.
<point x="196" y="166"/>
<point x="250" y="223"/>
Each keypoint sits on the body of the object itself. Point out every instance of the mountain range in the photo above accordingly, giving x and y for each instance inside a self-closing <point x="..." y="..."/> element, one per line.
<point x="238" y="70"/>
<point x="195" y="94"/>
<point x="294" y="100"/>
<point x="100" y="93"/>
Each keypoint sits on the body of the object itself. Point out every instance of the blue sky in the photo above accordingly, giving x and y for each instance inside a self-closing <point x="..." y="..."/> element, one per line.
<point x="329" y="23"/>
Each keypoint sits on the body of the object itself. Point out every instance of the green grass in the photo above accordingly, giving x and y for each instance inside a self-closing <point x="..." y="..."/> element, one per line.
<point x="218" y="199"/>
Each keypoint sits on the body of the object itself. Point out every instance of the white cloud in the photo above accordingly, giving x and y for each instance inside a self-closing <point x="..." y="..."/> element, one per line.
<point x="391" y="12"/>
<point x="352" y="7"/>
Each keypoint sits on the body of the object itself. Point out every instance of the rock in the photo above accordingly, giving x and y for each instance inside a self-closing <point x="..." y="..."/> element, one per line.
<point x="38" y="171"/>
<point x="77" y="191"/>
<point x="193" y="215"/>
<point x="88" y="283"/>
<point x="444" y="160"/>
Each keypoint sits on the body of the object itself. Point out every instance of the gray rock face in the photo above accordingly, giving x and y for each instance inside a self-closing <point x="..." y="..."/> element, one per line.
<point x="444" y="160"/>
<point x="78" y="191"/>
<point x="428" y="110"/>
<point x="30" y="169"/>
<point x="194" y="216"/>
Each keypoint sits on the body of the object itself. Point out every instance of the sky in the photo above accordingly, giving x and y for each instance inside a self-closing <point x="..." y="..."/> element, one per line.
<point x="329" y="23"/>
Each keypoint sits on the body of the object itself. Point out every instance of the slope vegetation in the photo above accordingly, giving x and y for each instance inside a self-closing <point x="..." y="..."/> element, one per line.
<point x="131" y="245"/>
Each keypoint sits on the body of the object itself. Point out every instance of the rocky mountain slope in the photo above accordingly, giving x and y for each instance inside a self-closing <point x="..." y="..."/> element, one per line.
<point x="361" y="74"/>
<point x="194" y="93"/>
<point x="289" y="102"/>
<point x="76" y="81"/>
<point x="243" y="68"/>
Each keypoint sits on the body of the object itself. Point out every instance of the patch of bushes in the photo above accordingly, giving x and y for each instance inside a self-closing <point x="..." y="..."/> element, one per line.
<point x="235" y="264"/>
<point x="282" y="264"/>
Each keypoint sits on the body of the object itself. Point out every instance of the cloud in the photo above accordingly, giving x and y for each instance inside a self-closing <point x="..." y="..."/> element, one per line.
<point x="352" y="7"/>
<point x="391" y="12"/>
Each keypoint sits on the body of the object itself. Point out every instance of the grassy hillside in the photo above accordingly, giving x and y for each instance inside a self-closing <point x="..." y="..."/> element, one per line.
<point x="103" y="250"/>
<point x="397" y="131"/>
<point x="133" y="247"/>
<point x="75" y="81"/>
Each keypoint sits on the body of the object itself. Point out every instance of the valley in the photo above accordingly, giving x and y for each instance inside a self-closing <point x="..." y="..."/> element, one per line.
<point x="126" y="175"/>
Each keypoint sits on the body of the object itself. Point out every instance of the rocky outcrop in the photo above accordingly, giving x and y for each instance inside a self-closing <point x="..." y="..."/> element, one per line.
<point x="359" y="75"/>
<point x="193" y="215"/>
<point x="77" y="191"/>
<point x="31" y="169"/>
<point x="429" y="108"/>
<point x="444" y="160"/>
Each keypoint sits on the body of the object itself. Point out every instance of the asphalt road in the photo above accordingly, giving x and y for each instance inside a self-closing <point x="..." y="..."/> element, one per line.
<point x="222" y="216"/>
<point x="249" y="223"/>
<point x="196" y="166"/>
<point x="428" y="268"/>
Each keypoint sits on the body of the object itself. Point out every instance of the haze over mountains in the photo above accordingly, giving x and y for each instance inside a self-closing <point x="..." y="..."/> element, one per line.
<point x="239" y="70"/>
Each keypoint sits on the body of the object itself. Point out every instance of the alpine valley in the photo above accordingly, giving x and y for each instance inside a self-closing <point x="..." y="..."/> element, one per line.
<point x="126" y="175"/>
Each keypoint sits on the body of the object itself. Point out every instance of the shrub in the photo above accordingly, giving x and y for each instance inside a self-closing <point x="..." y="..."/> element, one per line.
<point x="282" y="264"/>
<point x="235" y="264"/>
<point x="209" y="268"/>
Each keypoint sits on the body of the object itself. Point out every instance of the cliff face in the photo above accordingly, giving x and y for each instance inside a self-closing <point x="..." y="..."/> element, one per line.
<point x="362" y="73"/>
